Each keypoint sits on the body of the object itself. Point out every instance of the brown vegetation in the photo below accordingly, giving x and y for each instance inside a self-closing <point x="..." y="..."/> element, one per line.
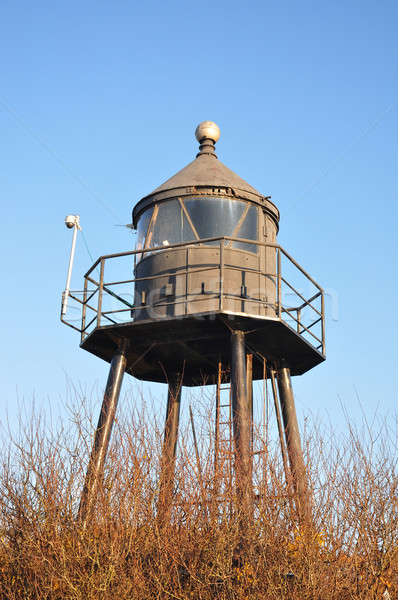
<point x="124" y="552"/>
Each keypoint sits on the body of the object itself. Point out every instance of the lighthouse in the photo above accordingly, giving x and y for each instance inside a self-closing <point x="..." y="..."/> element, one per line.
<point x="206" y="290"/>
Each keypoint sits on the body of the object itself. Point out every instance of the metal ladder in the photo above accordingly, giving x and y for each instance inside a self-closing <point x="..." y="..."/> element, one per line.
<point x="223" y="439"/>
<point x="224" y="450"/>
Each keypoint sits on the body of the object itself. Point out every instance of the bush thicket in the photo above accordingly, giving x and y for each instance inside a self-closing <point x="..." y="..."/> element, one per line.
<point x="124" y="552"/>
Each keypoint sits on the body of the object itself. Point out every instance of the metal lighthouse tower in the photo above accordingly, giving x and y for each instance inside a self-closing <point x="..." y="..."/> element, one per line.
<point x="213" y="298"/>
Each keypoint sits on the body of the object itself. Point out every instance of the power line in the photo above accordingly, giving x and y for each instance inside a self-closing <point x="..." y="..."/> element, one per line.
<point x="60" y="160"/>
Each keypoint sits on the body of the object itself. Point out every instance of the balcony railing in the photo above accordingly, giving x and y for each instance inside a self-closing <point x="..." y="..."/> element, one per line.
<point x="108" y="297"/>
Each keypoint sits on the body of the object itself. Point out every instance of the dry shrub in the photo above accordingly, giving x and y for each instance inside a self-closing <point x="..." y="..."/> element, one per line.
<point x="203" y="552"/>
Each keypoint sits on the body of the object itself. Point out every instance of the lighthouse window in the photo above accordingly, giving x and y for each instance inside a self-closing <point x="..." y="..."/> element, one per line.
<point x="190" y="219"/>
<point x="163" y="225"/>
<point x="170" y="227"/>
<point x="142" y="228"/>
<point x="247" y="230"/>
<point x="214" y="217"/>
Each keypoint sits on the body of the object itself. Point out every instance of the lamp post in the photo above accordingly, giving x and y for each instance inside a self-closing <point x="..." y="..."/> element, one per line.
<point x="71" y="221"/>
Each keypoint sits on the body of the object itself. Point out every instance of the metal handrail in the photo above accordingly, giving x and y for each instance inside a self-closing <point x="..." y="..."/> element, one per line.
<point x="304" y="327"/>
<point x="306" y="302"/>
<point x="204" y="241"/>
<point x="314" y="297"/>
<point x="103" y="287"/>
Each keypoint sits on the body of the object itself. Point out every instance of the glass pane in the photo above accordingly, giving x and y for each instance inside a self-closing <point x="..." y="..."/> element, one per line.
<point x="142" y="228"/>
<point x="248" y="231"/>
<point x="171" y="226"/>
<point x="211" y="217"/>
<point x="214" y="217"/>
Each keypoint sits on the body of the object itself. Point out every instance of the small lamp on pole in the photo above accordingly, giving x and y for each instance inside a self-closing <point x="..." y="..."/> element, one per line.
<point x="71" y="221"/>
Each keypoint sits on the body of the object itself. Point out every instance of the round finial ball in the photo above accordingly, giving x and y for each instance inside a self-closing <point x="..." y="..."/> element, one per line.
<point x="208" y="130"/>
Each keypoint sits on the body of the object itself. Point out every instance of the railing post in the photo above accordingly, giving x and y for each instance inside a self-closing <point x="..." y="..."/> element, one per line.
<point x="221" y="274"/>
<point x="279" y="283"/>
<point x="84" y="310"/>
<point x="323" y="322"/>
<point x="187" y="280"/>
<point x="100" y="291"/>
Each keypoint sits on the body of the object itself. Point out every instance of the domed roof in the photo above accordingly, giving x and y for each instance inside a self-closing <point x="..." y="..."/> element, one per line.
<point x="206" y="175"/>
<point x="206" y="170"/>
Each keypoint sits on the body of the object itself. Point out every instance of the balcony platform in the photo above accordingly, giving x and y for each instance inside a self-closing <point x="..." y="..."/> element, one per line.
<point x="195" y="345"/>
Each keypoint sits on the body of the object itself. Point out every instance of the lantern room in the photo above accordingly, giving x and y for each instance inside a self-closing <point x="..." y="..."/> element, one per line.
<point x="197" y="207"/>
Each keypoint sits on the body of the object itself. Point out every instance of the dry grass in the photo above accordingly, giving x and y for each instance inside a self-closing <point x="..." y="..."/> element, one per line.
<point x="124" y="552"/>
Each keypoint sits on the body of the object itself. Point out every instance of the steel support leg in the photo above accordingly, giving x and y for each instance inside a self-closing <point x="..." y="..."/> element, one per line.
<point x="249" y="387"/>
<point x="95" y="469"/>
<point x="288" y="475"/>
<point x="293" y="442"/>
<point x="242" y="425"/>
<point x="217" y="424"/>
<point x="170" y="447"/>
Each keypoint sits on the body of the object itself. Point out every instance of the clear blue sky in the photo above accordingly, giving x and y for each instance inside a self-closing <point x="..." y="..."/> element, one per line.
<point x="98" y="106"/>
